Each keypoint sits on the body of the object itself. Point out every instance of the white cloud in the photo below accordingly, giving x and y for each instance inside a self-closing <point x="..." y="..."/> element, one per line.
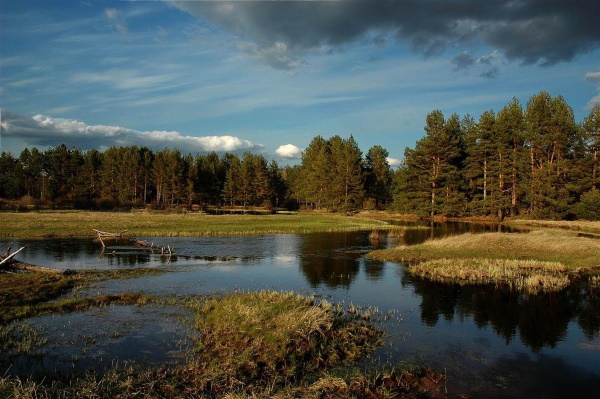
<point x="46" y="130"/>
<point x="592" y="75"/>
<point x="289" y="151"/>
<point x="393" y="161"/>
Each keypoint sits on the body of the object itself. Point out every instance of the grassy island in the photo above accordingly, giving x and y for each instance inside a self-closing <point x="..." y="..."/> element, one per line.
<point x="542" y="260"/>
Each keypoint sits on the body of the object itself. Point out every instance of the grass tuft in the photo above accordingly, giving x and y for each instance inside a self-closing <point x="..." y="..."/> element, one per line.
<point x="530" y="276"/>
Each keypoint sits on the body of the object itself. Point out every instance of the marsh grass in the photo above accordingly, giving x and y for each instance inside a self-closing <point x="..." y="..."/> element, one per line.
<point x="578" y="225"/>
<point x="146" y="223"/>
<point x="274" y="339"/>
<point x="575" y="253"/>
<point x="539" y="261"/>
<point x="530" y="276"/>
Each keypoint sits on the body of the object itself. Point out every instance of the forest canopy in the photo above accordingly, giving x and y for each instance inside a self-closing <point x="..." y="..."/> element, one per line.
<point x="535" y="161"/>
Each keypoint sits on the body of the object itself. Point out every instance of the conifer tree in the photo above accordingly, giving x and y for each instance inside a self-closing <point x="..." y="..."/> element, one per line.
<point x="591" y="132"/>
<point x="378" y="176"/>
<point x="315" y="173"/>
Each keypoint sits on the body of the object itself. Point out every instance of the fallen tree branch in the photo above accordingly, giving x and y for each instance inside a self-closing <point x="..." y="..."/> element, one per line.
<point x="8" y="258"/>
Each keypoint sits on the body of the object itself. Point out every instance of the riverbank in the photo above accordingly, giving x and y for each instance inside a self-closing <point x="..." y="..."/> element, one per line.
<point x="541" y="260"/>
<point x="254" y="344"/>
<point x="158" y="224"/>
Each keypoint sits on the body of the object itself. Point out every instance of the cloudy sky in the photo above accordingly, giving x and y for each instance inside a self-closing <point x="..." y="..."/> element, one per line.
<point x="268" y="76"/>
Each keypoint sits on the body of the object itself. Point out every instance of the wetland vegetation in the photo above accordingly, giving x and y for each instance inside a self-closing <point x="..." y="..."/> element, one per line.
<point x="541" y="260"/>
<point x="247" y="344"/>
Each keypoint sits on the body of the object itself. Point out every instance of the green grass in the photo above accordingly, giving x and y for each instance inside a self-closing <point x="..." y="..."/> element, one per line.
<point x="145" y="223"/>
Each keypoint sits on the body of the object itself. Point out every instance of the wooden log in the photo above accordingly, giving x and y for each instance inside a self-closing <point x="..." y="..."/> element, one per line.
<point x="9" y="257"/>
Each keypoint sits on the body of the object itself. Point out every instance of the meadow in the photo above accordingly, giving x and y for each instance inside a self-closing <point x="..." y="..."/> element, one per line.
<point x="53" y="224"/>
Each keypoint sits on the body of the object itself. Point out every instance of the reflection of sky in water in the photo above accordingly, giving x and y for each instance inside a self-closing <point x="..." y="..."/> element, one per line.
<point x="99" y="337"/>
<point x="478" y="335"/>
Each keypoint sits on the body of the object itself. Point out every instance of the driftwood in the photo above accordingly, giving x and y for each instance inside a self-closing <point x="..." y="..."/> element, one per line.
<point x="9" y="258"/>
<point x="104" y="234"/>
<point x="8" y="261"/>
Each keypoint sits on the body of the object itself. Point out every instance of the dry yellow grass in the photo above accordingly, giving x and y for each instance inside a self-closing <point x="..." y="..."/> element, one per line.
<point x="578" y="225"/>
<point x="541" y="245"/>
<point x="530" y="276"/>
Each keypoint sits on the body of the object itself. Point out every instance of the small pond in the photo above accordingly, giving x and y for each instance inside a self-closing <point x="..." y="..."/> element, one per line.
<point x="491" y="343"/>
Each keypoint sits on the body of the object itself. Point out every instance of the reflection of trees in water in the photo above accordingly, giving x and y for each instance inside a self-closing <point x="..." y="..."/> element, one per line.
<point x="324" y="260"/>
<point x="374" y="269"/>
<point x="541" y="320"/>
<point x="545" y="377"/>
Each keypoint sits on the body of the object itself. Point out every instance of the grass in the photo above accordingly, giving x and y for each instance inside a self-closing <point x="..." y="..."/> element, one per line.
<point x="273" y="339"/>
<point x="537" y="261"/>
<point x="524" y="275"/>
<point x="146" y="223"/>
<point x="249" y="345"/>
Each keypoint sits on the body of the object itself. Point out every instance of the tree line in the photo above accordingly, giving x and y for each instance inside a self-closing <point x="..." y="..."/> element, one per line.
<point x="132" y="176"/>
<point x="135" y="176"/>
<point x="535" y="161"/>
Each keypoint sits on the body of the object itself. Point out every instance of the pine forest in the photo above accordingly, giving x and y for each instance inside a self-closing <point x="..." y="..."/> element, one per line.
<point x="533" y="160"/>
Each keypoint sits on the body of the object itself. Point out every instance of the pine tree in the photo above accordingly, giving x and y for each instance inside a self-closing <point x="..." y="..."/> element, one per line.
<point x="231" y="187"/>
<point x="346" y="184"/>
<point x="591" y="132"/>
<point x="511" y="128"/>
<point x="316" y="173"/>
<point x="378" y="176"/>
<point x="550" y="136"/>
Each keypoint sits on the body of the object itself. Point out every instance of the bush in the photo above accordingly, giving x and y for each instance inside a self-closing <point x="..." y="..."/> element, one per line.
<point x="589" y="206"/>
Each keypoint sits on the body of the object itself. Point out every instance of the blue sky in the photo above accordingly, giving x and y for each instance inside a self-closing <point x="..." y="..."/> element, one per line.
<point x="269" y="76"/>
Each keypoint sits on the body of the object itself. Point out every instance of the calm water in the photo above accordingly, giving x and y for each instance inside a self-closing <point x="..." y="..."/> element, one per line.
<point x="491" y="343"/>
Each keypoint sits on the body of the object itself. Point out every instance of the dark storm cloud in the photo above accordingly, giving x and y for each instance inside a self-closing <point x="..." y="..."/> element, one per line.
<point x="491" y="73"/>
<point x="541" y="32"/>
<point x="463" y="60"/>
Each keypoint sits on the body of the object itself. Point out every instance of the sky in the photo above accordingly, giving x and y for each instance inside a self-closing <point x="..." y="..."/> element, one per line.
<point x="269" y="76"/>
